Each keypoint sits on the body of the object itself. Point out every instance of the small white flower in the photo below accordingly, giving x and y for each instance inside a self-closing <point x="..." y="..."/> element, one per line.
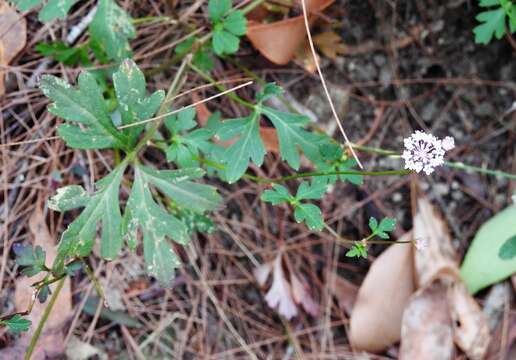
<point x="421" y="244"/>
<point x="448" y="143"/>
<point x="424" y="152"/>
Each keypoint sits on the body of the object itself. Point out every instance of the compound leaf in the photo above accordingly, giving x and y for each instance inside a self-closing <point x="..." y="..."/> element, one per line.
<point x="310" y="214"/>
<point x="112" y="28"/>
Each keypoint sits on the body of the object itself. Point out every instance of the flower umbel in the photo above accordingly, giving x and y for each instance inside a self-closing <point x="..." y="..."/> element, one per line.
<point x="421" y="244"/>
<point x="424" y="152"/>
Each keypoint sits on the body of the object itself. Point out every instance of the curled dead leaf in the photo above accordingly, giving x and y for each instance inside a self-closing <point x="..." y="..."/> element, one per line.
<point x="376" y="318"/>
<point x="13" y="35"/>
<point x="279" y="41"/>
<point x="426" y="331"/>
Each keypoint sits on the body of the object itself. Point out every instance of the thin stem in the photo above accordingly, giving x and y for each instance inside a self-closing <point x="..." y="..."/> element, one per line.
<point x="95" y="281"/>
<point x="312" y="174"/>
<point x="44" y="318"/>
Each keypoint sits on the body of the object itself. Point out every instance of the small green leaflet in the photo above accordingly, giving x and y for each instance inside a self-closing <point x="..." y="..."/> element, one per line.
<point x="334" y="160"/>
<point x="381" y="230"/>
<point x="493" y="21"/>
<point x="53" y="9"/>
<point x="156" y="225"/>
<point x="86" y="105"/>
<point x="16" y="324"/>
<point x="32" y="259"/>
<point x="228" y="29"/>
<point x="101" y="206"/>
<point x="303" y="212"/>
<point x="133" y="103"/>
<point x="112" y="28"/>
<point x="248" y="147"/>
<point x="186" y="146"/>
<point x="291" y="135"/>
<point x="61" y="52"/>
<point x="357" y="250"/>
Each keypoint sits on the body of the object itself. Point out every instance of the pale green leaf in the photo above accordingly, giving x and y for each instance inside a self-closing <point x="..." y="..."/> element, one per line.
<point x="217" y="9"/>
<point x="55" y="9"/>
<point x="279" y="194"/>
<point x="482" y="265"/>
<point x="310" y="214"/>
<point x="236" y="23"/>
<point x="112" y="28"/>
<point x="223" y="42"/>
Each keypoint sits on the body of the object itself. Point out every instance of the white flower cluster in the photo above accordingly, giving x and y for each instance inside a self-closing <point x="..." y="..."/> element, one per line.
<point x="424" y="152"/>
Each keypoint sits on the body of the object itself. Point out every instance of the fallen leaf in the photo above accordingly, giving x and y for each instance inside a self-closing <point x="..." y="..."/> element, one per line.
<point x="80" y="350"/>
<point x="287" y="290"/>
<point x="437" y="263"/>
<point x="438" y="259"/>
<point x="330" y="44"/>
<point x="344" y="291"/>
<point x="279" y="41"/>
<point x="13" y="35"/>
<point x="305" y="59"/>
<point x="51" y="341"/>
<point x="426" y="330"/>
<point x="375" y="322"/>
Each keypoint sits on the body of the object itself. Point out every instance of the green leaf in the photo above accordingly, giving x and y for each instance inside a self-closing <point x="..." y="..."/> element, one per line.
<point x="508" y="249"/>
<point x="236" y="23"/>
<point x="43" y="294"/>
<point x="358" y="250"/>
<point x="184" y="47"/>
<point x="17" y="324"/>
<point x="373" y="224"/>
<point x="224" y="42"/>
<point x="268" y="90"/>
<point x="279" y="194"/>
<point x="331" y="151"/>
<point x="248" y="147"/>
<point x="483" y="265"/>
<point x="156" y="225"/>
<point x="314" y="191"/>
<point x="349" y="164"/>
<point x="387" y="224"/>
<point x="217" y="9"/>
<point x="112" y="28"/>
<point x="133" y="103"/>
<point x="53" y="9"/>
<point x="187" y="194"/>
<point x="492" y="24"/>
<point x="33" y="260"/>
<point x="68" y="198"/>
<point x="101" y="206"/>
<point x="61" y="52"/>
<point x="203" y="59"/>
<point x="291" y="135"/>
<point x="84" y="105"/>
<point x="310" y="214"/>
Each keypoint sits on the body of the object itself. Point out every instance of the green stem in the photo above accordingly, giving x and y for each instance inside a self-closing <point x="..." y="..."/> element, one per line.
<point x="312" y="174"/>
<point x="94" y="280"/>
<point x="44" y="318"/>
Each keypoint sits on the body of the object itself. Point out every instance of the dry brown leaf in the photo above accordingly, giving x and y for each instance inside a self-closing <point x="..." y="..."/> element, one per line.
<point x="280" y="40"/>
<point x="470" y="325"/>
<point x="13" y="35"/>
<point x="426" y="331"/>
<point x="438" y="262"/>
<point x="51" y="340"/>
<point x="305" y="59"/>
<point x="345" y="291"/>
<point x="330" y="44"/>
<point x="438" y="259"/>
<point x="376" y="318"/>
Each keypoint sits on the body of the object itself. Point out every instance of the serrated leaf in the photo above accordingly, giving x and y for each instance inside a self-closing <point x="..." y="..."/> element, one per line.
<point x="387" y="224"/>
<point x="358" y="250"/>
<point x="156" y="225"/>
<point x="32" y="259"/>
<point x="217" y="9"/>
<point x="482" y="265"/>
<point x="224" y="42"/>
<point x="248" y="147"/>
<point x="279" y="194"/>
<point x="492" y="24"/>
<point x="59" y="51"/>
<point x="101" y="206"/>
<point x="17" y="324"/>
<point x="373" y="224"/>
<point x="133" y="103"/>
<point x="268" y="90"/>
<point x="291" y="135"/>
<point x="112" y="28"/>
<point x="331" y="151"/>
<point x="84" y="105"/>
<point x="187" y="194"/>
<point x="508" y="249"/>
<point x="68" y="198"/>
<point x="310" y="214"/>
<point x="311" y="191"/>
<point x="53" y="9"/>
<point x="236" y="23"/>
